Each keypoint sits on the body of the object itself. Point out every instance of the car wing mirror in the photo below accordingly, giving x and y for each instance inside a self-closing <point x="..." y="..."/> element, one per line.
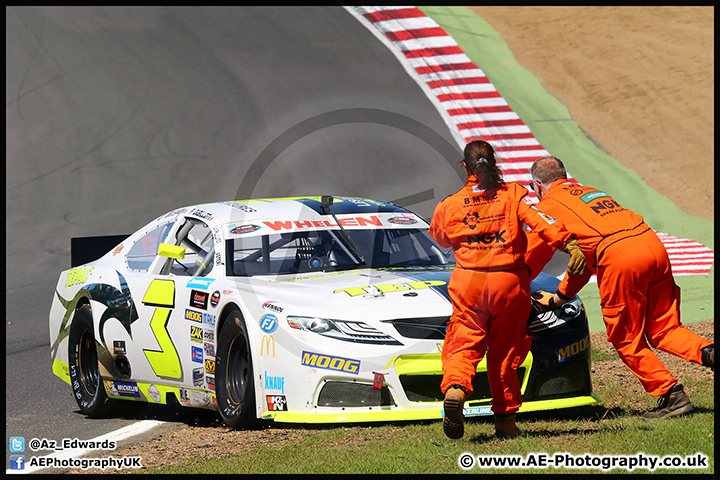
<point x="171" y="251"/>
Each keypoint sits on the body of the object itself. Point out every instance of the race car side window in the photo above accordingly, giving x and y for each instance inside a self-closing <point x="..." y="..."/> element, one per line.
<point x="199" y="258"/>
<point x="145" y="249"/>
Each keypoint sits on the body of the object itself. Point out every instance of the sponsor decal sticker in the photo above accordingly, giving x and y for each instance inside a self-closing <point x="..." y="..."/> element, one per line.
<point x="476" y="411"/>
<point x="201" y="214"/>
<point x="327" y="362"/>
<point x="119" y="347"/>
<point x="173" y="213"/>
<point x="391" y="287"/>
<point x="240" y="206"/>
<point x="184" y="397"/>
<point x="198" y="376"/>
<point x="208" y="319"/>
<point x="215" y="298"/>
<point x="268" y="323"/>
<point x="265" y="346"/>
<point x="126" y="389"/>
<point x="199" y="299"/>
<point x="589" y="197"/>
<point x="276" y="403"/>
<point x="203" y="283"/>
<point x="573" y="349"/>
<point x="402" y="218"/>
<point x="110" y="387"/>
<point x="196" y="334"/>
<point x="200" y="317"/>
<point x="210" y="382"/>
<point x="609" y="205"/>
<point x="486" y="238"/>
<point x="274" y="383"/>
<point x="209" y="349"/>
<point x="78" y="276"/>
<point x="478" y="199"/>
<point x="210" y="366"/>
<point x="471" y="220"/>
<point x="240" y="229"/>
<point x="217" y="238"/>
<point x="155" y="394"/>
<point x="197" y="354"/>
<point x="272" y="306"/>
<point x="200" y="399"/>
<point x="118" y="249"/>
<point x="209" y="335"/>
<point x="277" y="225"/>
<point x="550" y="220"/>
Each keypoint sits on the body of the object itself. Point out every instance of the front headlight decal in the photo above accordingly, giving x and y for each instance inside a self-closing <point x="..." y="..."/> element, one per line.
<point x="347" y="331"/>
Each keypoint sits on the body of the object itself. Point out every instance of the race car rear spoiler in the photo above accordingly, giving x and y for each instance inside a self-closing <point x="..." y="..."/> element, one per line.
<point x="88" y="249"/>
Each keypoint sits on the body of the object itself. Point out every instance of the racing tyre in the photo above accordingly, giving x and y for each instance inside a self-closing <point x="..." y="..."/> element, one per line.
<point x="234" y="382"/>
<point x="85" y="379"/>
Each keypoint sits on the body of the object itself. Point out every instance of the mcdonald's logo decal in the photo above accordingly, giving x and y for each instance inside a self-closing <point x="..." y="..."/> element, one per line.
<point x="267" y="340"/>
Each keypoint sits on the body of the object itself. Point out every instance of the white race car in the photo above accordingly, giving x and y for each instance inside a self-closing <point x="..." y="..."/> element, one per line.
<point x="299" y="310"/>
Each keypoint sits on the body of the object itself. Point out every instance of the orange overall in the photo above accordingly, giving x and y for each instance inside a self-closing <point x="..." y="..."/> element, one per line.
<point x="490" y="285"/>
<point x="639" y="298"/>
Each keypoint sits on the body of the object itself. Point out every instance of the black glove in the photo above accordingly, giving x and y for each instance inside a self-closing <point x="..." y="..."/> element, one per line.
<point x="544" y="300"/>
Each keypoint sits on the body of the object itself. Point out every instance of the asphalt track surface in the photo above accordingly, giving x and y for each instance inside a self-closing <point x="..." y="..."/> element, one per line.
<point x="115" y="116"/>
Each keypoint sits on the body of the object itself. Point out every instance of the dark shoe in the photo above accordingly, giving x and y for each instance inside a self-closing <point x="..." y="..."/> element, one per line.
<point x="673" y="403"/>
<point x="505" y="426"/>
<point x="708" y="356"/>
<point x="453" y="419"/>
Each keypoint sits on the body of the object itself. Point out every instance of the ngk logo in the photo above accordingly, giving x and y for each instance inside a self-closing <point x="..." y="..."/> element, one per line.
<point x="486" y="238"/>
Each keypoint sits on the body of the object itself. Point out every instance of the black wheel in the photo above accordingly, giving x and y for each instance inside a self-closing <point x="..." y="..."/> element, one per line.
<point x="85" y="377"/>
<point x="234" y="382"/>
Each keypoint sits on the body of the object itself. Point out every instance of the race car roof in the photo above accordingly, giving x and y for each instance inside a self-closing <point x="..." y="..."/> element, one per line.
<point x="290" y="209"/>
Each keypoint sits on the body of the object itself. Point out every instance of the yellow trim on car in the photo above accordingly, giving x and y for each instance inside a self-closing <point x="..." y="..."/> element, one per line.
<point x="164" y="390"/>
<point x="390" y="414"/>
<point x="62" y="370"/>
<point x="431" y="364"/>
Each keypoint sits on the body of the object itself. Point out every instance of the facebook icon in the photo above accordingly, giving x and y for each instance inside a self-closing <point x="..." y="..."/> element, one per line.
<point x="17" y="462"/>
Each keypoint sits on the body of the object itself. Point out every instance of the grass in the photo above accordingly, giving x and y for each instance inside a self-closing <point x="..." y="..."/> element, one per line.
<point x="599" y="355"/>
<point x="614" y="427"/>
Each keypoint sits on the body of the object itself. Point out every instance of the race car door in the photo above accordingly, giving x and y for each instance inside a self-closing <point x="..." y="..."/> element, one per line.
<point x="167" y="337"/>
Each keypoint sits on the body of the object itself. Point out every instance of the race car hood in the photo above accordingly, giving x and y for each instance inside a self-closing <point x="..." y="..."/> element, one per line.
<point x="384" y="292"/>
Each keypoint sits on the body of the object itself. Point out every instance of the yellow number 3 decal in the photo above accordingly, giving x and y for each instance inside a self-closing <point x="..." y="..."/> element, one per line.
<point x="165" y="363"/>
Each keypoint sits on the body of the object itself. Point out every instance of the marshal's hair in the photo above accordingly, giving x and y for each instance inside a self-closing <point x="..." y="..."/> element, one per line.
<point x="479" y="159"/>
<point x="548" y="169"/>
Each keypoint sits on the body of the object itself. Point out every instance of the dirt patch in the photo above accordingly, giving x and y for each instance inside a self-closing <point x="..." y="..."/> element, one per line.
<point x="613" y="370"/>
<point x="639" y="80"/>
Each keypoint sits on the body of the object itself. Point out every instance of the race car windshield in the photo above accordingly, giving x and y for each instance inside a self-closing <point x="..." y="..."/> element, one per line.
<point x="326" y="250"/>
